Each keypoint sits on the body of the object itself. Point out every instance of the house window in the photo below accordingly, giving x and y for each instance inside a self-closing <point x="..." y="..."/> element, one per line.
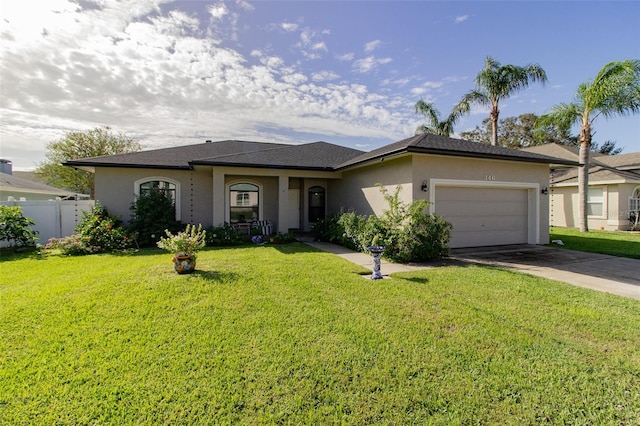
<point x="634" y="201"/>
<point x="161" y="184"/>
<point x="595" y="202"/>
<point x="244" y="202"/>
<point x="167" y="188"/>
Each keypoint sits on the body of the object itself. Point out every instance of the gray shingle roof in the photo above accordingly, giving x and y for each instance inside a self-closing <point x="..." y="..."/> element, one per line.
<point x="317" y="155"/>
<point x="310" y="156"/>
<point x="14" y="183"/>
<point x="428" y="143"/>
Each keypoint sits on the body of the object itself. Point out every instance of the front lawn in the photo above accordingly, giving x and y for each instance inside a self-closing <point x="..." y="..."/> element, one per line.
<point x="620" y="243"/>
<point x="289" y="335"/>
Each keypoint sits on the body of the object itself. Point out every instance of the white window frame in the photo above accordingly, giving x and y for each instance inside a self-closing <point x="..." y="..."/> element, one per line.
<point x="634" y="202"/>
<point x="227" y="201"/>
<point x="137" y="183"/>
<point x="594" y="200"/>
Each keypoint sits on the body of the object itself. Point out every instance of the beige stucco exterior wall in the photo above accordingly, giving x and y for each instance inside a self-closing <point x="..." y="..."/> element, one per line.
<point x="565" y="207"/>
<point x="203" y="191"/>
<point x="115" y="189"/>
<point x="357" y="191"/>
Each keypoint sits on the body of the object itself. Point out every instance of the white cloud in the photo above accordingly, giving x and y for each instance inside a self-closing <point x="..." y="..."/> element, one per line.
<point x="461" y="18"/>
<point x="319" y="46"/>
<point x="218" y="11"/>
<point x="156" y="76"/>
<point x="288" y="26"/>
<point x="371" y="46"/>
<point x="345" y="57"/>
<point x="369" y="63"/>
<point x="324" y="76"/>
<point x="245" y="5"/>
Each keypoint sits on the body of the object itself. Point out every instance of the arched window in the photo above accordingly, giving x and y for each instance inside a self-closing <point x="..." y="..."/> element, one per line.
<point x="162" y="184"/>
<point x="244" y="202"/>
<point x="634" y="201"/>
<point x="316" y="203"/>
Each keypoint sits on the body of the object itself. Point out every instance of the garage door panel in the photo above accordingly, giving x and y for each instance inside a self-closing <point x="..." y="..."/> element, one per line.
<point x="484" y="216"/>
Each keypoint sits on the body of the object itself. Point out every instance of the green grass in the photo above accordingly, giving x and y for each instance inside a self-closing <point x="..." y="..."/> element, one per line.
<point x="289" y="335"/>
<point x="624" y="244"/>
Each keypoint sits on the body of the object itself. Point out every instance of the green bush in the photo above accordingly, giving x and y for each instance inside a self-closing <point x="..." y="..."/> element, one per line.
<point x="16" y="228"/>
<point x="408" y="232"/>
<point x="96" y="232"/>
<point x="223" y="236"/>
<point x="328" y="229"/>
<point x="152" y="213"/>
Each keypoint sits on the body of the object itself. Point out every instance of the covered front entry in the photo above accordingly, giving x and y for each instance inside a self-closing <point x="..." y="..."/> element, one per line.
<point x="488" y="213"/>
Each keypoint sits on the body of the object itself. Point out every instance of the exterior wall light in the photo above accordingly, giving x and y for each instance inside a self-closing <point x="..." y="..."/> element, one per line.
<point x="425" y="186"/>
<point x="544" y="191"/>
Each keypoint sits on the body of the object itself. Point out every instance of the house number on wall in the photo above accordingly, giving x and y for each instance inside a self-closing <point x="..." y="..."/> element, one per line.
<point x="489" y="177"/>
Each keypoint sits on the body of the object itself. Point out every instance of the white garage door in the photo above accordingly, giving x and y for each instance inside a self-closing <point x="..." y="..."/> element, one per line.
<point x="484" y="216"/>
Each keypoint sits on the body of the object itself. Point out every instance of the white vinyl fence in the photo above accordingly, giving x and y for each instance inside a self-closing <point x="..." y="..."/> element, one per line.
<point x="54" y="218"/>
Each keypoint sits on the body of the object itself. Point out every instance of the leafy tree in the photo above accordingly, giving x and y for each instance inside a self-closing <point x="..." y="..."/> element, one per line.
<point x="607" y="148"/>
<point x="615" y="91"/>
<point x="76" y="145"/>
<point x="496" y="82"/>
<point x="434" y="125"/>
<point x="16" y="228"/>
<point x="521" y="132"/>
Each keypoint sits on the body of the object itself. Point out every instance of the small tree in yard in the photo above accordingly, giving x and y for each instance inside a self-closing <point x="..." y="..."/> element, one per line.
<point x="16" y="228"/>
<point x="153" y="213"/>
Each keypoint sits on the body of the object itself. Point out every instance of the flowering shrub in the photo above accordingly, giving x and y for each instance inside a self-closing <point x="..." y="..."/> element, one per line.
<point x="187" y="242"/>
<point x="97" y="232"/>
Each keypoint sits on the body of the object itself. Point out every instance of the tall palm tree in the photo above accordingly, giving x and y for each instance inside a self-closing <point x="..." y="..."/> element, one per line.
<point x="432" y="115"/>
<point x="495" y="82"/>
<point x="614" y="92"/>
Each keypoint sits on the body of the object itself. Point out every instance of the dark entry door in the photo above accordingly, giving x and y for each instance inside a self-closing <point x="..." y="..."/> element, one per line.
<point x="316" y="203"/>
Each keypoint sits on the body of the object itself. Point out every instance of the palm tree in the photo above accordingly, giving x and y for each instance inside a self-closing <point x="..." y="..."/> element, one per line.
<point x="434" y="125"/>
<point x="615" y="91"/>
<point x="496" y="82"/>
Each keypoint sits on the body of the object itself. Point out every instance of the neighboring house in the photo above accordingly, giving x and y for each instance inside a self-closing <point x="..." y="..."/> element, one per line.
<point x="14" y="188"/>
<point x="492" y="195"/>
<point x="614" y="188"/>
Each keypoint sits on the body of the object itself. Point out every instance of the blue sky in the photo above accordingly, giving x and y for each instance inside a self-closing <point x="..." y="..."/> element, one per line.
<point x="346" y="72"/>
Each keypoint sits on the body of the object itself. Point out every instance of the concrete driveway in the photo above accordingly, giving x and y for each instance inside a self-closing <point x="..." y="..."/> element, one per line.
<point x="617" y="275"/>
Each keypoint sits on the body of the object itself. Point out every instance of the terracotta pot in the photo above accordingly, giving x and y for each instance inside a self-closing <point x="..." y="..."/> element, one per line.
<point x="184" y="264"/>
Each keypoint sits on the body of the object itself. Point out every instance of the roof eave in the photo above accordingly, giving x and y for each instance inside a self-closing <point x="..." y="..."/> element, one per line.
<point x="260" y="166"/>
<point x="90" y="167"/>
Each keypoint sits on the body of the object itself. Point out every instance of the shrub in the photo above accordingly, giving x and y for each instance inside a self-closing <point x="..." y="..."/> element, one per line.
<point x="282" y="238"/>
<point x="223" y="236"/>
<point x="96" y="232"/>
<point x="16" y="228"/>
<point x="102" y="231"/>
<point x="328" y="229"/>
<point x="408" y="232"/>
<point x="71" y="245"/>
<point x="152" y="213"/>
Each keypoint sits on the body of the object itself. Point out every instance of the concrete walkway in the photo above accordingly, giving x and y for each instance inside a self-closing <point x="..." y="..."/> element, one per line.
<point x="617" y="275"/>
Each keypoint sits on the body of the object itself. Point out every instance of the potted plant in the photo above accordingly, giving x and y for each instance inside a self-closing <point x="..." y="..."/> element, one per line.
<point x="184" y="245"/>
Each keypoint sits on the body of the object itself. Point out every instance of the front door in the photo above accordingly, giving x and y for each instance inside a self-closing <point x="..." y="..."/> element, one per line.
<point x="293" y="217"/>
<point x="316" y="203"/>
